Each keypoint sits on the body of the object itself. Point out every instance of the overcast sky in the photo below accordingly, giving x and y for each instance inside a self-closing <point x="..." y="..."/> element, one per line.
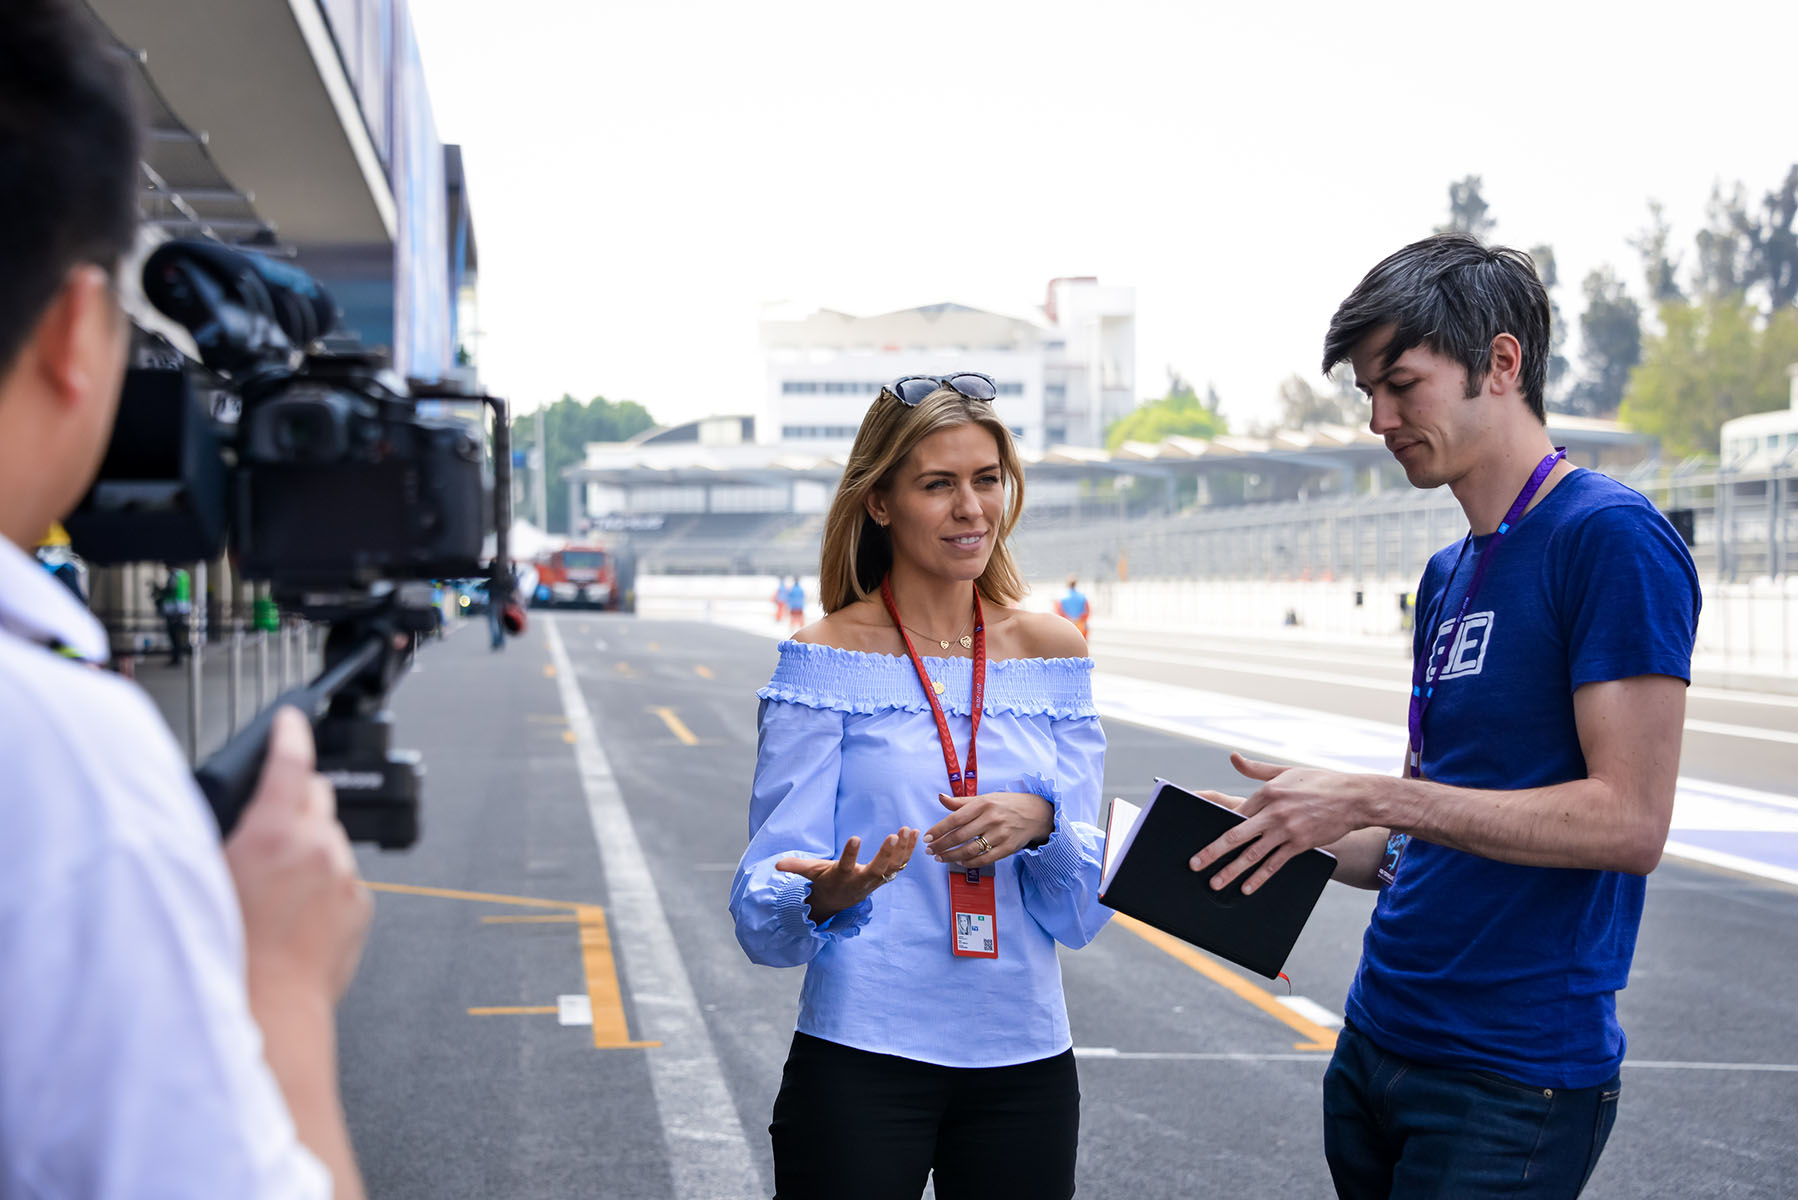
<point x="645" y="174"/>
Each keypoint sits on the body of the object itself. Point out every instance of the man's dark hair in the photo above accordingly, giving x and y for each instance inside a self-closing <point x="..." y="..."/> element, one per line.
<point x="69" y="150"/>
<point x="1451" y="294"/>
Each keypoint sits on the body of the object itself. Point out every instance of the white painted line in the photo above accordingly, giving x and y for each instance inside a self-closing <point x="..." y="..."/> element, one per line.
<point x="1731" y="862"/>
<point x="1374" y="683"/>
<point x="1311" y="1010"/>
<point x="1195" y="1055"/>
<point x="1651" y="1065"/>
<point x="1724" y="729"/>
<point x="1240" y="667"/>
<point x="1112" y="1052"/>
<point x="708" y="1153"/>
<point x="599" y="643"/>
<point x="1338" y="743"/>
<point x="574" y="1010"/>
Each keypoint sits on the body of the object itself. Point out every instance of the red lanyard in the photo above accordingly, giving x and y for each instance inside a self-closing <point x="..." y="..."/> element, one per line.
<point x="960" y="783"/>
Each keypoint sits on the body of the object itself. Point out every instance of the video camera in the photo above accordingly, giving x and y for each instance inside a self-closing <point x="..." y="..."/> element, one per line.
<point x="329" y="486"/>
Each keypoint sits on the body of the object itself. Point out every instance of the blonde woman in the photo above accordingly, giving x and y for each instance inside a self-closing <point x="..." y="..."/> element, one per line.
<point x="926" y="718"/>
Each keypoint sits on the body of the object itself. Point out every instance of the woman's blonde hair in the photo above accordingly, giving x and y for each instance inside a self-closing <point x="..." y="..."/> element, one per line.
<point x="857" y="551"/>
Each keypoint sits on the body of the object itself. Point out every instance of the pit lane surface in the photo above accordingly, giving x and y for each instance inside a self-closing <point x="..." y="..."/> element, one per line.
<point x="1188" y="1084"/>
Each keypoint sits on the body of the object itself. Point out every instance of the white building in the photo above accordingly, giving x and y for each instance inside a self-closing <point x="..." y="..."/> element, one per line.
<point x="1762" y="441"/>
<point x="1059" y="382"/>
<point x="1090" y="360"/>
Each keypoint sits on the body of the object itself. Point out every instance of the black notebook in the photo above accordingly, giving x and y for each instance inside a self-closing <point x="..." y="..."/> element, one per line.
<point x="1146" y="876"/>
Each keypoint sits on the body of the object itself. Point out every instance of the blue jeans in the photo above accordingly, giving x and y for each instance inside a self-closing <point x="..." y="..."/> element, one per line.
<point x="1399" y="1129"/>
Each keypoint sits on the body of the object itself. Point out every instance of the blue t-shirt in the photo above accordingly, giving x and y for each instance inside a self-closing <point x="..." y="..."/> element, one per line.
<point x="1474" y="963"/>
<point x="1073" y="605"/>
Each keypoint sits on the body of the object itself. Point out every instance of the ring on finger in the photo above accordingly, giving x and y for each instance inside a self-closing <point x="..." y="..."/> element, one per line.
<point x="986" y="847"/>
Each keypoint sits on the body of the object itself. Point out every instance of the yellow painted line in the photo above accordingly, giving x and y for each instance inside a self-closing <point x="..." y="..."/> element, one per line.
<point x="515" y="1010"/>
<point x="676" y="726"/>
<point x="625" y="669"/>
<point x="568" y="736"/>
<point x="407" y="889"/>
<point x="655" y="647"/>
<point x="1230" y="981"/>
<point x="549" y="671"/>
<point x="538" y="919"/>
<point x="704" y="672"/>
<point x="603" y="994"/>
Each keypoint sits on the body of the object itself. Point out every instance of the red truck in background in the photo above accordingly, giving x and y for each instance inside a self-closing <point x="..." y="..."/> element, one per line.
<point x="586" y="576"/>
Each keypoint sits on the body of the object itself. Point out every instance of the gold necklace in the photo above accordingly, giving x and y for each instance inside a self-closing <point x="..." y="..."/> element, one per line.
<point x="964" y="641"/>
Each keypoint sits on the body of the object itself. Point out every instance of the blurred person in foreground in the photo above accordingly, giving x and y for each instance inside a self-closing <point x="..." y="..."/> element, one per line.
<point x="1073" y="606"/>
<point x="932" y="1032"/>
<point x="166" y="1008"/>
<point x="1553" y="649"/>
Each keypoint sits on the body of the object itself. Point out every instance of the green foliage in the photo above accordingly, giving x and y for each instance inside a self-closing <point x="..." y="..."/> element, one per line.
<point x="1180" y="412"/>
<point x="1304" y="407"/>
<point x="1610" y="345"/>
<point x="1714" y="359"/>
<point x="569" y="424"/>
<point x="1467" y="209"/>
<point x="1660" y="270"/>
<point x="1546" y="270"/>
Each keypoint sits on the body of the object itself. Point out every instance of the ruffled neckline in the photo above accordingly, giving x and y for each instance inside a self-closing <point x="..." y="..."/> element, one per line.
<point x="865" y="682"/>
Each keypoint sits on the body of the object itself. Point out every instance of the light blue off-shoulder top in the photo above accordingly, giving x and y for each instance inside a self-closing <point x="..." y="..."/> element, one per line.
<point x="847" y="746"/>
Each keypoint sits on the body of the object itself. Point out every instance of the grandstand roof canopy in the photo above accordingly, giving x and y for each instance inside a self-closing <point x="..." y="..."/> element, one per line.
<point x="664" y="456"/>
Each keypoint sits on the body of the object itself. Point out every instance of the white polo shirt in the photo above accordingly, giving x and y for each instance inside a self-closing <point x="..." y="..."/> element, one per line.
<point x="129" y="1062"/>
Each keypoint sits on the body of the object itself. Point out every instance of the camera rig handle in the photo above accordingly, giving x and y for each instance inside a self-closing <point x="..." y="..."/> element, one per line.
<point x="228" y="779"/>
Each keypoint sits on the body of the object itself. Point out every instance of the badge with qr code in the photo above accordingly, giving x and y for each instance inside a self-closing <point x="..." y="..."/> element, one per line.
<point x="974" y="914"/>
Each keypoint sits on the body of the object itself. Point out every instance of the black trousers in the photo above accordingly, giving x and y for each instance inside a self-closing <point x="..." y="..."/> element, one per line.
<point x="849" y="1123"/>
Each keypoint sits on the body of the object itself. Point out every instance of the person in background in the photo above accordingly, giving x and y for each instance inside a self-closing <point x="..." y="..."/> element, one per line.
<point x="795" y="601"/>
<point x="932" y="1034"/>
<point x="780" y="601"/>
<point x="167" y="1007"/>
<point x="1073" y="606"/>
<point x="174" y="600"/>
<point x="1552" y="651"/>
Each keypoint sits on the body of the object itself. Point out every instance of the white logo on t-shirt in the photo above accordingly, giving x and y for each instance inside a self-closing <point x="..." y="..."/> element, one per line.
<point x="1468" y="655"/>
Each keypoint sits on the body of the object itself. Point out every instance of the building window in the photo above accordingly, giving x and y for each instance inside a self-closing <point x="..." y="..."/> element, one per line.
<point x="805" y="433"/>
<point x="1011" y="389"/>
<point x="1057" y="434"/>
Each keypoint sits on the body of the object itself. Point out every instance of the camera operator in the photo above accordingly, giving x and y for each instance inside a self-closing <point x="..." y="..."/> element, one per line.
<point x="167" y="1010"/>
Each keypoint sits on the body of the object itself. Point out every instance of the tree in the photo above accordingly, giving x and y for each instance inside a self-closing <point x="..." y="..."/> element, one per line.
<point x="1180" y="412"/>
<point x="1544" y="258"/>
<point x="1725" y="246"/>
<point x="1304" y="407"/>
<point x="569" y="425"/>
<point x="1773" y="245"/>
<point x="1716" y="358"/>
<point x="1660" y="271"/>
<point x="1467" y="209"/>
<point x="1610" y="345"/>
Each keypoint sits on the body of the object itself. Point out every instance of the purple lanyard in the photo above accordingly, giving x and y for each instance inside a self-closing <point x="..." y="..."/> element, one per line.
<point x="1422" y="690"/>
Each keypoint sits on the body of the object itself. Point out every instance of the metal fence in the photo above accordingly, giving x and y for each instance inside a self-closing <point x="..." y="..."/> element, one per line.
<point x="1741" y="526"/>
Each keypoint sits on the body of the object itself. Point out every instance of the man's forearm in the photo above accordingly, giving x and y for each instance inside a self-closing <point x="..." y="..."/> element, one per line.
<point x="300" y="1042"/>
<point x="1585" y="823"/>
<point x="1358" y="858"/>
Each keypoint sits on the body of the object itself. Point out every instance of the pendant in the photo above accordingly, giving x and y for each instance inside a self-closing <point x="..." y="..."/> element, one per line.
<point x="944" y="645"/>
<point x="938" y="685"/>
<point x="967" y="643"/>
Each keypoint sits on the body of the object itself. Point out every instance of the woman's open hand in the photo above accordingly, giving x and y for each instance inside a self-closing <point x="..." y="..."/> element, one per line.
<point x="839" y="883"/>
<point x="981" y="830"/>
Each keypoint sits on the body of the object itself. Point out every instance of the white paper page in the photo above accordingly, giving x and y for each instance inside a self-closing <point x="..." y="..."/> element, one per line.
<point x="1119" y="826"/>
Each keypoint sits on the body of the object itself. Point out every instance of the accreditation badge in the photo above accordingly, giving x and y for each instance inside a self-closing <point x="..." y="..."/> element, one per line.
<point x="973" y="913"/>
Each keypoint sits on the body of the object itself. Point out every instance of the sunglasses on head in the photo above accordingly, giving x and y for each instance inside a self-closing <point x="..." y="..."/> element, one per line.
<point x="911" y="389"/>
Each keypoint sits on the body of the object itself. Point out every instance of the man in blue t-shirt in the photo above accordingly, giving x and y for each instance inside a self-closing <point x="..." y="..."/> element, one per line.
<point x="1481" y="1051"/>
